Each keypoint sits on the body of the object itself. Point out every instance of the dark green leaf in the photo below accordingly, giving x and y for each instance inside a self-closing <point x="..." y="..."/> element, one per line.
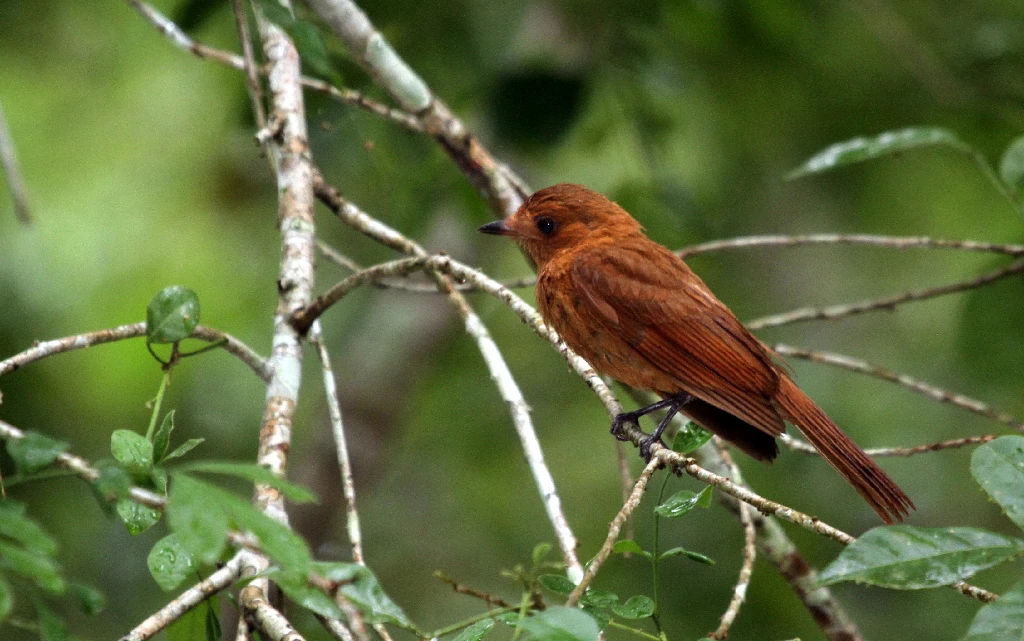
<point x="637" y="607"/>
<point x="599" y="598"/>
<point x="683" y="501"/>
<point x="190" y="627"/>
<point x="602" y="616"/>
<point x="1011" y="167"/>
<point x="561" y="624"/>
<point x="307" y="39"/>
<point x="213" y="631"/>
<point x="137" y="517"/>
<point x="170" y="563"/>
<point x="910" y="558"/>
<point x="690" y="437"/>
<point x="508" y="618"/>
<point x="199" y="523"/>
<point x="162" y="438"/>
<point x="89" y="599"/>
<point x="476" y="631"/>
<point x="1001" y="620"/>
<point x="6" y="599"/>
<point x="159" y="478"/>
<point x="172" y="315"/>
<point x="628" y="546"/>
<point x="693" y="556"/>
<point x="890" y="142"/>
<point x="41" y="570"/>
<point x="34" y="451"/>
<point x="539" y="552"/>
<point x="557" y="583"/>
<point x="14" y="524"/>
<point x="277" y="540"/>
<point x="51" y="627"/>
<point x="296" y="587"/>
<point x="254" y="473"/>
<point x="364" y="591"/>
<point x="184" y="448"/>
<point x="132" y="451"/>
<point x="998" y="466"/>
<point x="113" y="482"/>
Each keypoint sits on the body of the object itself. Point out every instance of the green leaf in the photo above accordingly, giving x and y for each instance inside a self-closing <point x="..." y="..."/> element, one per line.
<point x="170" y="563"/>
<point x="364" y="591"/>
<point x="304" y="35"/>
<point x="89" y="598"/>
<point x="627" y="546"/>
<point x="277" y="540"/>
<point x="6" y="599"/>
<point x="890" y="142"/>
<point x="172" y="315"/>
<point x="637" y="607"/>
<point x="1011" y="167"/>
<point x="904" y="557"/>
<point x="539" y="552"/>
<point x="199" y="523"/>
<point x="690" y="437"/>
<point x="162" y="438"/>
<point x="51" y="627"/>
<point x="561" y="624"/>
<point x="602" y="616"/>
<point x="137" y="517"/>
<point x="41" y="570"/>
<point x="34" y="451"/>
<point x="132" y="451"/>
<point x="557" y="583"/>
<point x="476" y="631"/>
<point x="1001" y="620"/>
<point x="184" y="448"/>
<point x="683" y="501"/>
<point x="296" y="587"/>
<point x="255" y="473"/>
<point x="14" y="524"/>
<point x="159" y="478"/>
<point x="998" y="466"/>
<point x="693" y="556"/>
<point x="213" y="631"/>
<point x="599" y="598"/>
<point x="113" y="482"/>
<point x="191" y="626"/>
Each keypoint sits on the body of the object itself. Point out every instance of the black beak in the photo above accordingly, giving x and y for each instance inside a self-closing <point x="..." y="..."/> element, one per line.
<point x="498" y="228"/>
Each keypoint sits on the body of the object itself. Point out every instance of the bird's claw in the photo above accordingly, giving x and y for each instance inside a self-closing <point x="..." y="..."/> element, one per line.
<point x="645" y="447"/>
<point x="618" y="425"/>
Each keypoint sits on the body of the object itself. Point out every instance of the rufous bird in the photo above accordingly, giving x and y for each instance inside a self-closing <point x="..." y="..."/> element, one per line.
<point x="637" y="313"/>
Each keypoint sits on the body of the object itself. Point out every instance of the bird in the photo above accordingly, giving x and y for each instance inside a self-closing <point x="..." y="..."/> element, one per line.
<point x="638" y="314"/>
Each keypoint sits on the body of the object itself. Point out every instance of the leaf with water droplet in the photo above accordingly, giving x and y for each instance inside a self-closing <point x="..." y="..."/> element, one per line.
<point x="170" y="563"/>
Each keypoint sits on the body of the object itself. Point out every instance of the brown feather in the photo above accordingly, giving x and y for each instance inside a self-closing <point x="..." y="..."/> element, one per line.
<point x="637" y="313"/>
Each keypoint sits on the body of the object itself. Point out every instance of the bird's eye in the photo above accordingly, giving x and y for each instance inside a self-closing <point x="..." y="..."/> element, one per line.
<point x="546" y="225"/>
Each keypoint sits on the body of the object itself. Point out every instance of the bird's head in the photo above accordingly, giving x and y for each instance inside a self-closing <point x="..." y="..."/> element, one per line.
<point x="561" y="218"/>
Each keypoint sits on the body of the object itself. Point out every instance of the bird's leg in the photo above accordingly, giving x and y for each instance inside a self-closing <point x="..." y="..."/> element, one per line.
<point x="673" y="403"/>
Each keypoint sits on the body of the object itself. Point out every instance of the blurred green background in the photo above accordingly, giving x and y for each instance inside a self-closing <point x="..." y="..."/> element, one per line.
<point x="143" y="172"/>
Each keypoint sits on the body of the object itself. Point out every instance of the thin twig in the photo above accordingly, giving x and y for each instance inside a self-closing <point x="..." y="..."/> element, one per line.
<point x="265" y="617"/>
<point x="895" y="242"/>
<point x="41" y="350"/>
<point x="925" y="389"/>
<point x="775" y="545"/>
<point x="337" y="426"/>
<point x="345" y="262"/>
<point x="799" y="445"/>
<point x="252" y="77"/>
<point x="376" y="56"/>
<point x="190" y="598"/>
<point x="626" y="478"/>
<point x="498" y="368"/>
<point x="12" y="172"/>
<point x="739" y="593"/>
<point x="460" y="588"/>
<point x="613" y="532"/>
<point x="180" y="39"/>
<point x="85" y="470"/>
<point x="887" y="303"/>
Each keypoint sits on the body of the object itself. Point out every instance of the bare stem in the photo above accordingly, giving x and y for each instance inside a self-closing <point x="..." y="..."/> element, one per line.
<point x="12" y="171"/>
<point x="798" y="445"/>
<point x="739" y="593"/>
<point x="894" y="242"/>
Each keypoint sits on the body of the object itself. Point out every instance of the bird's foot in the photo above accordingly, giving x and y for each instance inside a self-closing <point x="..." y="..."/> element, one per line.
<point x="619" y="423"/>
<point x="645" y="446"/>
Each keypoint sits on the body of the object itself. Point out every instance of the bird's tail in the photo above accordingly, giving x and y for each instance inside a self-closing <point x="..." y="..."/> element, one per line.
<point x="870" y="481"/>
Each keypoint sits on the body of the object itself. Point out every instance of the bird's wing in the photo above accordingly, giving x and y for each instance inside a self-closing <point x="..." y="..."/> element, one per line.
<point x="650" y="298"/>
